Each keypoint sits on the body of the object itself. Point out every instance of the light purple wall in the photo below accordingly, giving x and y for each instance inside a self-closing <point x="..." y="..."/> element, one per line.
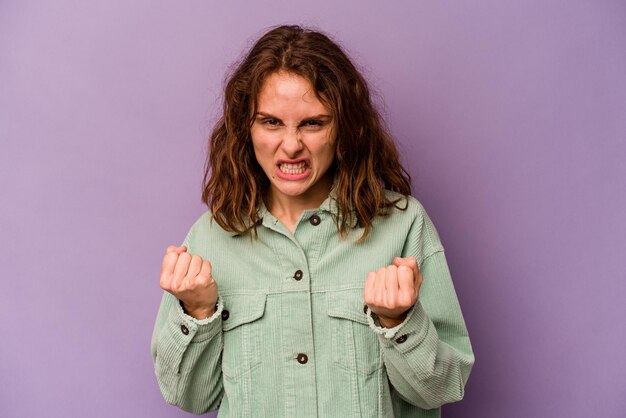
<point x="511" y="117"/>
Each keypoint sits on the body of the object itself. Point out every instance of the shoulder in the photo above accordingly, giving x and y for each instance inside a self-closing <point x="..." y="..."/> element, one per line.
<point x="410" y="215"/>
<point x="204" y="227"/>
<point x="406" y="207"/>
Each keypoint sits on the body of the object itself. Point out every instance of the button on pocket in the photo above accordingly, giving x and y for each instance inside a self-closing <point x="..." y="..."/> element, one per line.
<point x="225" y="315"/>
<point x="242" y="333"/>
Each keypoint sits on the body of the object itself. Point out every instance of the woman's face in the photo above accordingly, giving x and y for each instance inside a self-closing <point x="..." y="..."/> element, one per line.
<point x="293" y="139"/>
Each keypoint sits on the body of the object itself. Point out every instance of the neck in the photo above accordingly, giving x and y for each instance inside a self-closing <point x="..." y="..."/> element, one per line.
<point x="288" y="209"/>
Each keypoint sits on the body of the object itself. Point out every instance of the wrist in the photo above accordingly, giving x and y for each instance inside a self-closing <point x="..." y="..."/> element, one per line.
<point x="391" y="322"/>
<point x="198" y="313"/>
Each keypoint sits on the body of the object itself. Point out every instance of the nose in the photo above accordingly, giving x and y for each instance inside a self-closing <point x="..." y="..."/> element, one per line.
<point x="292" y="142"/>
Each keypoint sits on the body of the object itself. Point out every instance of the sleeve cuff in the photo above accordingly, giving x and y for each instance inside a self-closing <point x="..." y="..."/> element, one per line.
<point x="200" y="329"/>
<point x="407" y="335"/>
<point x="387" y="333"/>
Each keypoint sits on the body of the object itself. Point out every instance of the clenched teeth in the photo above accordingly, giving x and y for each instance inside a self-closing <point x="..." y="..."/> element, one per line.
<point x="293" y="168"/>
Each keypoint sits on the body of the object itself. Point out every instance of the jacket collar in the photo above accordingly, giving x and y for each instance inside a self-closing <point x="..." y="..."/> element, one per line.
<point x="329" y="205"/>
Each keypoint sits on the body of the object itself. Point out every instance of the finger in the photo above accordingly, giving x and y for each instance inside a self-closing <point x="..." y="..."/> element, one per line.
<point x="406" y="284"/>
<point x="418" y="286"/>
<point x="205" y="270"/>
<point x="379" y="287"/>
<point x="406" y="261"/>
<point x="409" y="262"/>
<point x="167" y="268"/>
<point x="194" y="266"/>
<point x="180" y="271"/>
<point x="204" y="278"/>
<point x="175" y="249"/>
<point x="391" y="286"/>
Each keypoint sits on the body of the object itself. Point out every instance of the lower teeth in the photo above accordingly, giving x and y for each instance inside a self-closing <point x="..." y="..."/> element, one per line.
<point x="292" y="170"/>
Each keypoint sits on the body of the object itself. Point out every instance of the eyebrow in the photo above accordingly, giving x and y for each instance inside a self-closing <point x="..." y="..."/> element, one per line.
<point x="268" y="115"/>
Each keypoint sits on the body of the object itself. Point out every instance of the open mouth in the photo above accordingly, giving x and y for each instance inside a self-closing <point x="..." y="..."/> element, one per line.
<point x="298" y="168"/>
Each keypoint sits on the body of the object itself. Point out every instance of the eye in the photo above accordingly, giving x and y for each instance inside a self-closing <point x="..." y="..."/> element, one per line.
<point x="271" y="122"/>
<point x="312" y="123"/>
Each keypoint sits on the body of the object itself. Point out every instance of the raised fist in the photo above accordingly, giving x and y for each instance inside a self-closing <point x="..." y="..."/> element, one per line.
<point x="391" y="291"/>
<point x="188" y="277"/>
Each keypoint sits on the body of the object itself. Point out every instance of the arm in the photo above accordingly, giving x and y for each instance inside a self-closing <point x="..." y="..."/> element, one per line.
<point x="425" y="345"/>
<point x="428" y="357"/>
<point x="187" y="351"/>
<point x="188" y="363"/>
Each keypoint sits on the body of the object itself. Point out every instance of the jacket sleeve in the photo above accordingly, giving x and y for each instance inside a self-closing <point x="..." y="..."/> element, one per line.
<point x="187" y="356"/>
<point x="428" y="357"/>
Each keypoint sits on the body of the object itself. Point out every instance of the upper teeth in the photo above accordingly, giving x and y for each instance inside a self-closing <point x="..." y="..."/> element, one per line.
<point x="292" y="168"/>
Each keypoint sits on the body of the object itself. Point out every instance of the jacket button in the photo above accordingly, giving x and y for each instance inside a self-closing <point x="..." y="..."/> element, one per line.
<point x="225" y="315"/>
<point x="302" y="358"/>
<point x="315" y="220"/>
<point x="184" y="329"/>
<point x="298" y="275"/>
<point x="401" y="339"/>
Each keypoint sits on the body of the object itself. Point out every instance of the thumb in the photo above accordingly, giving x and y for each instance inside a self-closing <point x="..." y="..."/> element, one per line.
<point x="400" y="261"/>
<point x="410" y="262"/>
<point x="177" y="250"/>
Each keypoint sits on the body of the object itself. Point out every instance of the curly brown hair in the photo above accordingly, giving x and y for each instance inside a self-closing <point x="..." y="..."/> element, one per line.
<point x="366" y="159"/>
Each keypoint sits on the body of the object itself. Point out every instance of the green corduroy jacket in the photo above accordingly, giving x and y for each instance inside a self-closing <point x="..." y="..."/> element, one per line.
<point x="292" y="337"/>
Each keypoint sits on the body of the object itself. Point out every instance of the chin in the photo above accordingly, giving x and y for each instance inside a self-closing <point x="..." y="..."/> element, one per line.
<point x="292" y="191"/>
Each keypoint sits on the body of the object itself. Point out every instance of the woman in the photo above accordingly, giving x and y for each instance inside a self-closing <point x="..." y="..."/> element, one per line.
<point x="299" y="293"/>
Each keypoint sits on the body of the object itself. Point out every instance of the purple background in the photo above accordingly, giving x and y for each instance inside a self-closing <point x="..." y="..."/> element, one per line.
<point x="510" y="116"/>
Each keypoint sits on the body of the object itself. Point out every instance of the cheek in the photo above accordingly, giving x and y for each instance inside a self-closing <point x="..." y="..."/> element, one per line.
<point x="260" y="144"/>
<point x="264" y="153"/>
<point x="329" y="148"/>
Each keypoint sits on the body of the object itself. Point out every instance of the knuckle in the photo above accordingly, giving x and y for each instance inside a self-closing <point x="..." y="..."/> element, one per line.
<point x="405" y="300"/>
<point x="168" y="258"/>
<point x="191" y="286"/>
<point x="203" y="281"/>
<point x="185" y="282"/>
<point x="186" y="257"/>
<point x="165" y="280"/>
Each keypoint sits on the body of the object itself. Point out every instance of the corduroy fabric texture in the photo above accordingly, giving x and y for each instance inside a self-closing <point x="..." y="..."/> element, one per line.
<point x="247" y="360"/>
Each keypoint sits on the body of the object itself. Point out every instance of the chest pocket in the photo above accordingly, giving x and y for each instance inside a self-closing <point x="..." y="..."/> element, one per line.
<point x="241" y="327"/>
<point x="355" y="346"/>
